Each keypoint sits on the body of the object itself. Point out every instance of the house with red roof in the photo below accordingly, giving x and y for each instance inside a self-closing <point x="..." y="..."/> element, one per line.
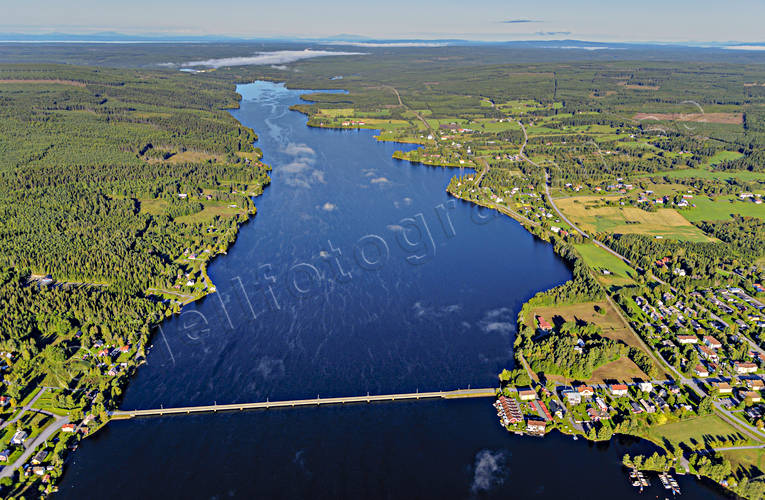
<point x="701" y="371"/>
<point x="618" y="390"/>
<point x="543" y="324"/>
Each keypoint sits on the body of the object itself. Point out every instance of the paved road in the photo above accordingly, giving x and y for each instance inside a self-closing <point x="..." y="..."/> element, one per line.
<point x="740" y="448"/>
<point x="32" y="444"/>
<point x="23" y="410"/>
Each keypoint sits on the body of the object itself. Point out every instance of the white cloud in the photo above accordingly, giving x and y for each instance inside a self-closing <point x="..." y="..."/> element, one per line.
<point x="294" y="149"/>
<point x="489" y="470"/>
<point x="746" y="47"/>
<point x="379" y="180"/>
<point x="263" y="58"/>
<point x="329" y="207"/>
<point x="498" y="326"/>
<point x="389" y="44"/>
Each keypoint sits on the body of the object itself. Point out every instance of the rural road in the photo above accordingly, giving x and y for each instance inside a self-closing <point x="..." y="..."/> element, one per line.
<point x="8" y="470"/>
<point x="23" y="410"/>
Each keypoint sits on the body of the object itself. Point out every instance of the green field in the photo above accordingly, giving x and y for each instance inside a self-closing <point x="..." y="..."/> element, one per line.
<point x="721" y="209"/>
<point x="695" y="432"/>
<point x="599" y="259"/>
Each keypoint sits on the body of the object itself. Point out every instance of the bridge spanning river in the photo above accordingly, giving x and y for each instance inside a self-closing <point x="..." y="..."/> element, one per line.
<point x="318" y="401"/>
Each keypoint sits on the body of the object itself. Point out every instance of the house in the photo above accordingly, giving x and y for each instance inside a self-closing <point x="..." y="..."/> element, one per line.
<point x="4" y="455"/>
<point x="19" y="437"/>
<point x="536" y="427"/>
<point x="124" y="348"/>
<point x="572" y="397"/>
<point x="701" y="371"/>
<point x="645" y="386"/>
<point x="712" y="342"/>
<point x="527" y="394"/>
<point x="618" y="390"/>
<point x="585" y="391"/>
<point x="744" y="367"/>
<point x="4" y="401"/>
<point x="39" y="457"/>
<point x="687" y="339"/>
<point x="543" y="324"/>
<point x="752" y="397"/>
<point x="648" y="406"/>
<point x="722" y="387"/>
<point x="509" y="411"/>
<point x="708" y="353"/>
<point x="68" y="427"/>
<point x="755" y="384"/>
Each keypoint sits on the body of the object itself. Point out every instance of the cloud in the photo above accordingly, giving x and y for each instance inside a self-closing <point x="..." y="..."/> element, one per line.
<point x="403" y="203"/>
<point x="264" y="58"/>
<point x="300" y="171"/>
<point x="389" y="44"/>
<point x="552" y="33"/>
<point x="394" y="227"/>
<point x="294" y="149"/>
<point x="270" y="367"/>
<point x="379" y="180"/>
<point x="498" y="320"/>
<point x="520" y="21"/>
<point x="297" y="167"/>
<point x="329" y="207"/>
<point x="489" y="470"/>
<point x="745" y="47"/>
<point x="498" y="326"/>
<point x="421" y="310"/>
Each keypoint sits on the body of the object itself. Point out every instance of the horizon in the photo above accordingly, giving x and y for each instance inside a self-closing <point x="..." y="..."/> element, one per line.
<point x="653" y="22"/>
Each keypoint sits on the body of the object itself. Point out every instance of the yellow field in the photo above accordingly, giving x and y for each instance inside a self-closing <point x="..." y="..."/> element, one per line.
<point x="666" y="222"/>
<point x="190" y="157"/>
<point x="337" y="112"/>
<point x="153" y="206"/>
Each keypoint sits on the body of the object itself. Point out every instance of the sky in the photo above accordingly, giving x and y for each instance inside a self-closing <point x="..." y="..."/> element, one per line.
<point x="494" y="20"/>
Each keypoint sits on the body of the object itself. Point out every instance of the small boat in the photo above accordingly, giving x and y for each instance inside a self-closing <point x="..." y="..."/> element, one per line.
<point x="665" y="481"/>
<point x="673" y="484"/>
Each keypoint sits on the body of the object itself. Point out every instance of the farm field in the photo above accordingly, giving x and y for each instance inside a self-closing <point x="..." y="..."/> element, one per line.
<point x="722" y="208"/>
<point x="599" y="259"/>
<point x="665" y="222"/>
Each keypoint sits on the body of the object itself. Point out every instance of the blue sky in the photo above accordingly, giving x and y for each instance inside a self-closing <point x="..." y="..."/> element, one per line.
<point x="597" y="20"/>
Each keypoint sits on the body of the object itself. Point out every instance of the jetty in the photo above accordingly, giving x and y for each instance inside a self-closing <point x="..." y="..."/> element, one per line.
<point x="318" y="401"/>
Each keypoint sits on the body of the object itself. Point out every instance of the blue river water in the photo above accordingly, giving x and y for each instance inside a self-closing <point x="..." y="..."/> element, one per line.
<point x="359" y="274"/>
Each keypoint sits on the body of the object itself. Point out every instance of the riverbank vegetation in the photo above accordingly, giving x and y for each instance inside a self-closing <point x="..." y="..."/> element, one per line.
<point x="106" y="180"/>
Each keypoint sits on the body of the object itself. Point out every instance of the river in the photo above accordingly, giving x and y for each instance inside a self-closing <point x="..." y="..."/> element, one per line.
<point x="359" y="274"/>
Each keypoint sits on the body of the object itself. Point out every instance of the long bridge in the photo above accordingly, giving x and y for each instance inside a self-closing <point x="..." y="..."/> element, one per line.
<point x="318" y="401"/>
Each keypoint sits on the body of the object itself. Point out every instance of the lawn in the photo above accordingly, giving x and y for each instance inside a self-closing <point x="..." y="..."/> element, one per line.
<point x="721" y="209"/>
<point x="210" y="210"/>
<point x="698" y="431"/>
<point x="610" y="322"/>
<point x="750" y="462"/>
<point x="599" y="259"/>
<point x="664" y="222"/>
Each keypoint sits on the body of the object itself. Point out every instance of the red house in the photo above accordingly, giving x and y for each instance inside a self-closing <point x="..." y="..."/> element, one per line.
<point x="543" y="324"/>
